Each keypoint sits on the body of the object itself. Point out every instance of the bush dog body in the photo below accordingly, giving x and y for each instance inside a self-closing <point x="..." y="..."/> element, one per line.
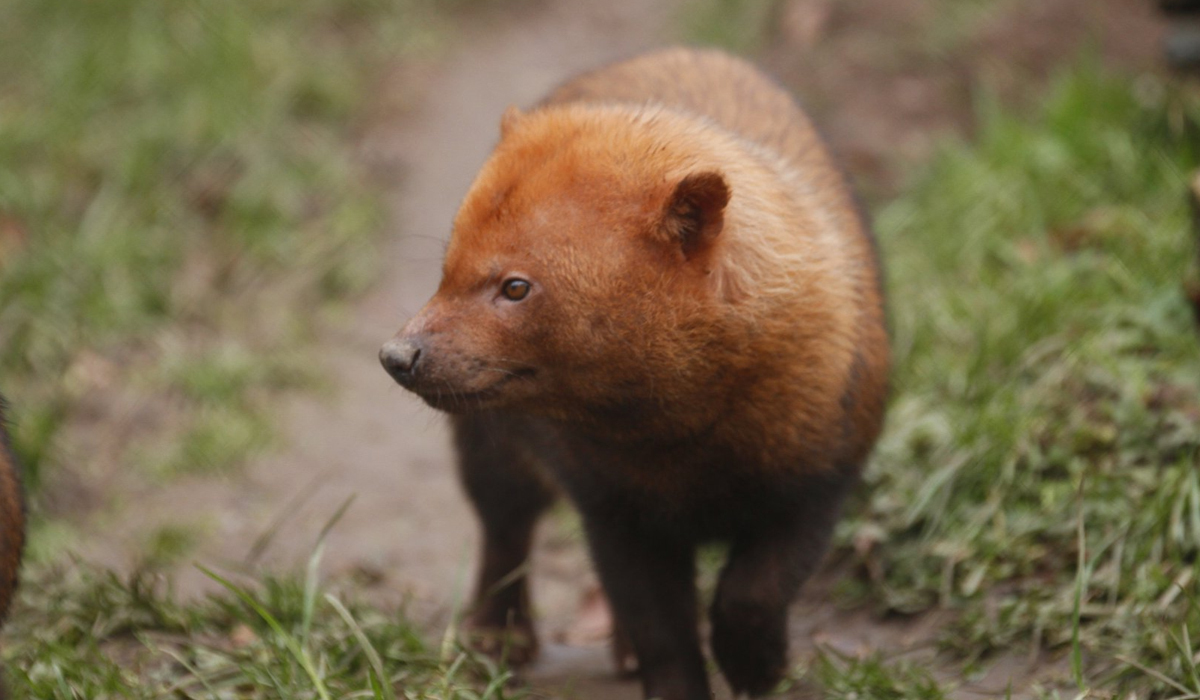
<point x="12" y="523"/>
<point x="658" y="295"/>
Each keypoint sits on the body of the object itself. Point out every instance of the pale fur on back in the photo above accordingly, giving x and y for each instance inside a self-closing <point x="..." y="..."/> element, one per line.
<point x="729" y="96"/>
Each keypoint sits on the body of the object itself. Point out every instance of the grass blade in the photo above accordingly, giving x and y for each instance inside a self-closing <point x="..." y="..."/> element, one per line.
<point x="369" y="649"/>
<point x="294" y="647"/>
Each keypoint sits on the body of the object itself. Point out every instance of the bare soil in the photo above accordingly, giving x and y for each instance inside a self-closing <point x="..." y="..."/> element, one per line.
<point x="409" y="537"/>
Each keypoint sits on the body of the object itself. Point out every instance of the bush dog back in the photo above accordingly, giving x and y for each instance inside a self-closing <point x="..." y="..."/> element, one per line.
<point x="658" y="297"/>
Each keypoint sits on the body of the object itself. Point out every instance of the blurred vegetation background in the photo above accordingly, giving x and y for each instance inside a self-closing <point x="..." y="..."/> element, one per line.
<point x="182" y="207"/>
<point x="178" y="203"/>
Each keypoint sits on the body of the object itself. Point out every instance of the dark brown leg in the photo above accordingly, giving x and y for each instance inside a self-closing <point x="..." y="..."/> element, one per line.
<point x="765" y="570"/>
<point x="509" y="495"/>
<point x="650" y="582"/>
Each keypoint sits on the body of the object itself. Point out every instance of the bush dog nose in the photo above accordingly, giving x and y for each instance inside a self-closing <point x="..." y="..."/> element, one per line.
<point x="399" y="357"/>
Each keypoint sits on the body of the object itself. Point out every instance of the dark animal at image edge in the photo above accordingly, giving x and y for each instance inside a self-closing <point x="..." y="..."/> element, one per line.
<point x="12" y="523"/>
<point x="659" y="298"/>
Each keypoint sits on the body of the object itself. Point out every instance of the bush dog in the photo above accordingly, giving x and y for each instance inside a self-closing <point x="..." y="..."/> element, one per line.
<point x="12" y="523"/>
<point x="659" y="296"/>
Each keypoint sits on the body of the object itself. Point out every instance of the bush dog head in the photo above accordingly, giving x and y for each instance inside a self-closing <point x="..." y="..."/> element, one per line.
<point x="592" y="276"/>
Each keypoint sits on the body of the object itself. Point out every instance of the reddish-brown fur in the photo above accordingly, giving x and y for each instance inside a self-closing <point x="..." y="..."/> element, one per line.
<point x="12" y="522"/>
<point x="701" y="355"/>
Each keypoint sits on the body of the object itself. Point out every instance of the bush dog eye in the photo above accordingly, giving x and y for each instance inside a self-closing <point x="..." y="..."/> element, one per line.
<point x="712" y="366"/>
<point x="515" y="289"/>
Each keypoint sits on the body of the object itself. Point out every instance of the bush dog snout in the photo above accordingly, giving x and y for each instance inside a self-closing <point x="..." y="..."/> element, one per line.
<point x="658" y="298"/>
<point x="399" y="357"/>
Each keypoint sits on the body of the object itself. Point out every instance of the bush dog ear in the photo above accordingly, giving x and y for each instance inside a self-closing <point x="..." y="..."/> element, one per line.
<point x="695" y="211"/>
<point x="508" y="121"/>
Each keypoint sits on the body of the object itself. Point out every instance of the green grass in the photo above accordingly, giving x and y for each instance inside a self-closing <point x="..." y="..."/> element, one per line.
<point x="175" y="173"/>
<point x="1040" y="471"/>
<point x="852" y="678"/>
<point x="79" y="633"/>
